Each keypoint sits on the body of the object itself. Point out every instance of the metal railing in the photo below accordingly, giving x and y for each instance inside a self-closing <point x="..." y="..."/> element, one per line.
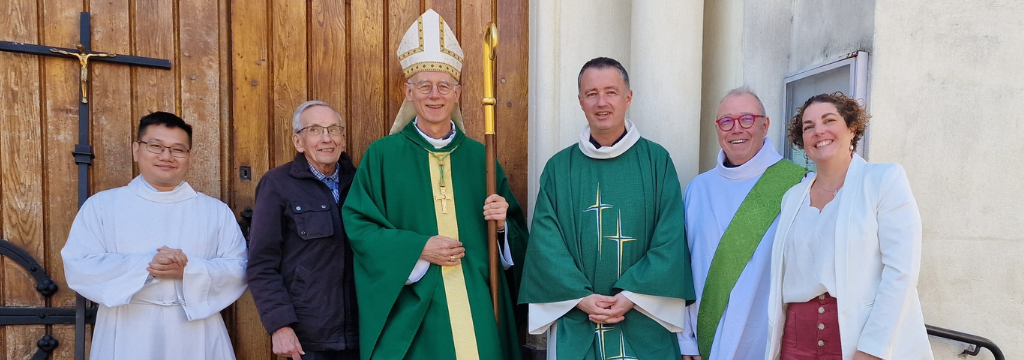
<point x="974" y="342"/>
<point x="39" y="315"/>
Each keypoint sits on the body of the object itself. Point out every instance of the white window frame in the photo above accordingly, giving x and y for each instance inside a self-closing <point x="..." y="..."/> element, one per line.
<point x="858" y="63"/>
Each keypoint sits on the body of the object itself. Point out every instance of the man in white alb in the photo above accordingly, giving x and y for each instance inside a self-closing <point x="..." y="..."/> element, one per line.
<point x="731" y="215"/>
<point x="161" y="259"/>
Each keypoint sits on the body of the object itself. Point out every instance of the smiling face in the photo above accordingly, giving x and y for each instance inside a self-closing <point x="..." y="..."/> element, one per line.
<point x="739" y="144"/>
<point x="163" y="171"/>
<point x="322" y="151"/>
<point x="825" y="133"/>
<point x="604" y="98"/>
<point x="433" y="107"/>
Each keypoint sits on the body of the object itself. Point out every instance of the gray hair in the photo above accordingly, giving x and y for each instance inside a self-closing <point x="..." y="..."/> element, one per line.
<point x="296" y="117"/>
<point x="743" y="90"/>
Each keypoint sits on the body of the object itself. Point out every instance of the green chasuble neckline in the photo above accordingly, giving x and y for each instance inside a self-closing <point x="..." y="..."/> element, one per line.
<point x="746" y="229"/>
<point x="390" y="213"/>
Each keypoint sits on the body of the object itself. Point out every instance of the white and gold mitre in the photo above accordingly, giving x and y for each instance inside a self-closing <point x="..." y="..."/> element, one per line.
<point x="430" y="45"/>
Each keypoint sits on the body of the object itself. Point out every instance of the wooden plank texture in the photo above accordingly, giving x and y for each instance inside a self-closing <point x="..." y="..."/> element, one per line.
<point x="155" y="31"/>
<point x="250" y="129"/>
<point x="328" y="51"/>
<point x="21" y="193"/>
<point x="401" y="15"/>
<point x="367" y="119"/>
<point x="511" y="112"/>
<point x="289" y="70"/>
<point x="226" y="90"/>
<point x="112" y="116"/>
<point x="239" y="69"/>
<point x="448" y="9"/>
<point x="199" y="80"/>
<point x="60" y="116"/>
<point x="476" y="15"/>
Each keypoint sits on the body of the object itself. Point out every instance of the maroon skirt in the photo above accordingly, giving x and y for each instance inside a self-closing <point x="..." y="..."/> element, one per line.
<point x="812" y="330"/>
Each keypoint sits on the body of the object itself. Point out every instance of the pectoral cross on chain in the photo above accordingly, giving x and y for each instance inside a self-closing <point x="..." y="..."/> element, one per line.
<point x="443" y="197"/>
<point x="443" y="191"/>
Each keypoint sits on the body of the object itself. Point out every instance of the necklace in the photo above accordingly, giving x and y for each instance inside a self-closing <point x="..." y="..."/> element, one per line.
<point x="834" y="192"/>
<point x="442" y="194"/>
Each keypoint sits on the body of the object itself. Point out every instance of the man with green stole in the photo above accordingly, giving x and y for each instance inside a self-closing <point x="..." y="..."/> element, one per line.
<point x="607" y="274"/>
<point x="414" y="221"/>
<point x="731" y="215"/>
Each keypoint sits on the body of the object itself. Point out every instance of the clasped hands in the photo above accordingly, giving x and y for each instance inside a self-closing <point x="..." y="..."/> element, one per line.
<point x="445" y="251"/>
<point x="605" y="309"/>
<point x="168" y="264"/>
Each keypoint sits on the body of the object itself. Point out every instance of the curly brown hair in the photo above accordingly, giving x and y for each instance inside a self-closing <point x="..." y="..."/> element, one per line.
<point x="855" y="116"/>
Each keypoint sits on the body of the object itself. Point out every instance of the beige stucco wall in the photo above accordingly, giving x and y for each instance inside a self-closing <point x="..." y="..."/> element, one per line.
<point x="947" y="85"/>
<point x="659" y="43"/>
<point x="778" y="37"/>
<point x="563" y="36"/>
<point x="941" y="71"/>
<point x="937" y="69"/>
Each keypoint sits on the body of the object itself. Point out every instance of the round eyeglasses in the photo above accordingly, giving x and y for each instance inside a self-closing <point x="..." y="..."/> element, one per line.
<point x="425" y="87"/>
<point x="746" y="121"/>
<point x="176" y="151"/>
<point x="317" y="130"/>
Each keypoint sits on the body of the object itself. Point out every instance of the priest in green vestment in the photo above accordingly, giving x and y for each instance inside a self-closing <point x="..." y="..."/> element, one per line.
<point x="607" y="275"/>
<point x="416" y="216"/>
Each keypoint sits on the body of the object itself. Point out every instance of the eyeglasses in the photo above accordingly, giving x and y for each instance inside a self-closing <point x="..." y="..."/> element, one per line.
<point x="424" y="87"/>
<point x="176" y="151"/>
<point x="746" y="121"/>
<point x="317" y="130"/>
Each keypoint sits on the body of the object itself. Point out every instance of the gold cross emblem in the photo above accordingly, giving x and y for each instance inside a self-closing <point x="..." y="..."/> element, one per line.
<point x="620" y="239"/>
<point x="599" y="332"/>
<point x="443" y="197"/>
<point x="597" y="209"/>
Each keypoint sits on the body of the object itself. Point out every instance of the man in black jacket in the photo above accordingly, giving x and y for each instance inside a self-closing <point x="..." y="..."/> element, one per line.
<point x="300" y="261"/>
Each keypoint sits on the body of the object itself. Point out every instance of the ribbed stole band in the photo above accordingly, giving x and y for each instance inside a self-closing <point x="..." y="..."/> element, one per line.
<point x="459" y="313"/>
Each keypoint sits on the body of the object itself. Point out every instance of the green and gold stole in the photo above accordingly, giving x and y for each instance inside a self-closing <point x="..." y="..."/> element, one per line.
<point x="741" y="238"/>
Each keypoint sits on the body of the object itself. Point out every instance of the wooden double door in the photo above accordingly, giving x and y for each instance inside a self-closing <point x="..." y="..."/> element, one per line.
<point x="239" y="69"/>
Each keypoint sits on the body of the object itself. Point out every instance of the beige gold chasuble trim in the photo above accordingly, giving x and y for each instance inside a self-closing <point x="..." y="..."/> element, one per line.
<point x="463" y="333"/>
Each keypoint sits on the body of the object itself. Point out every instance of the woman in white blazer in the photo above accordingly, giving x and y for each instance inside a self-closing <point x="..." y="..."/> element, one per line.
<point x="847" y="251"/>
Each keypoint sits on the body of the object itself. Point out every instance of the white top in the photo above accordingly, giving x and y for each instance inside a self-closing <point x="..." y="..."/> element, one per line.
<point x="710" y="202"/>
<point x="609" y="152"/>
<point x="809" y="266"/>
<point x="877" y="262"/>
<point x="112" y="240"/>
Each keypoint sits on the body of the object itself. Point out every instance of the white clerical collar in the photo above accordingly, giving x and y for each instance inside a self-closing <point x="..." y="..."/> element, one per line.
<point x="145" y="190"/>
<point x="608" y="152"/>
<point x="438" y="143"/>
<point x="764" y="158"/>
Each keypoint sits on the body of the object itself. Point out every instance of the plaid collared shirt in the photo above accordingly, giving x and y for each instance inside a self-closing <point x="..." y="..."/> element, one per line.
<point x="331" y="181"/>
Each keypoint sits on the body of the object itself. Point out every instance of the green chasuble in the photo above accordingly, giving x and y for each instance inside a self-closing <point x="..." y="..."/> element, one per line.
<point x="602" y="226"/>
<point x="389" y="215"/>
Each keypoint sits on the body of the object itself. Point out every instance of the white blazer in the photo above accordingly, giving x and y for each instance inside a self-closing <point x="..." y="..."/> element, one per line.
<point x="877" y="258"/>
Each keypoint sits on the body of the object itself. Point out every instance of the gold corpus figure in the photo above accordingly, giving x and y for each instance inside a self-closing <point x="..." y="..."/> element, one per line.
<point x="83" y="58"/>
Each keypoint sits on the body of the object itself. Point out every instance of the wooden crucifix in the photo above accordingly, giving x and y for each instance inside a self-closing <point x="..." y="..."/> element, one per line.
<point x="83" y="151"/>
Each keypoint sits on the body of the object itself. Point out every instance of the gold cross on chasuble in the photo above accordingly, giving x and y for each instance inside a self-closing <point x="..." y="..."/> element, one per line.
<point x="597" y="208"/>
<point x="459" y="313"/>
<point x="620" y="239"/>
<point x="443" y="197"/>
